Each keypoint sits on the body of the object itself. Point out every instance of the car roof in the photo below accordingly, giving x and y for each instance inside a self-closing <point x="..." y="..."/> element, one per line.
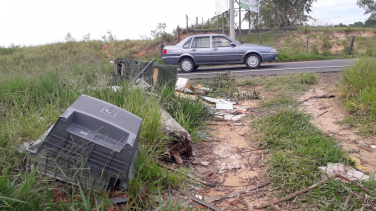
<point x="200" y="35"/>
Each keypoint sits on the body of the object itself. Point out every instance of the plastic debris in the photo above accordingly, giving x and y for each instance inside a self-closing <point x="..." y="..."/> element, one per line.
<point x="224" y="106"/>
<point x="181" y="83"/>
<point x="214" y="100"/>
<point x="334" y="169"/>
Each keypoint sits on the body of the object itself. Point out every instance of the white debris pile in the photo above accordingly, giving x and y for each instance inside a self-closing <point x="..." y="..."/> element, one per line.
<point x="336" y="170"/>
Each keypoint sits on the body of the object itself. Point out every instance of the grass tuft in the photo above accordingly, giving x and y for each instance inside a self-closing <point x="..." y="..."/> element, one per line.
<point x="358" y="90"/>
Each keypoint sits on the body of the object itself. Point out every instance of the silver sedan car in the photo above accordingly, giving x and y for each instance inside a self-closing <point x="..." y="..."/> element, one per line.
<point x="215" y="49"/>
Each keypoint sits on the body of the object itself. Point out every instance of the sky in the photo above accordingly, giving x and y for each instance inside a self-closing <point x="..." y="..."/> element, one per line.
<point x="38" y="22"/>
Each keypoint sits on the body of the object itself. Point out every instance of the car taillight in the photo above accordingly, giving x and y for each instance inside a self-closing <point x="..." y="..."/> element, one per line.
<point x="164" y="51"/>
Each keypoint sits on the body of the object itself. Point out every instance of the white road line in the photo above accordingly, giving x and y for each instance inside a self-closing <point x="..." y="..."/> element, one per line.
<point x="242" y="71"/>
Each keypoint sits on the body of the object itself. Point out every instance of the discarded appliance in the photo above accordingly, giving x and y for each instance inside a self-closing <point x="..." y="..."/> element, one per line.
<point x="93" y="143"/>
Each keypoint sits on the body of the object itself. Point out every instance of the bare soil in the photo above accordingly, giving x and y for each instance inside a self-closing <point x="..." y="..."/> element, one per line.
<point x="234" y="163"/>
<point x="328" y="112"/>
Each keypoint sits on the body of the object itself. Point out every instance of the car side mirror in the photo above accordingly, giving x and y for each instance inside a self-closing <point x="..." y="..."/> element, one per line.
<point x="233" y="45"/>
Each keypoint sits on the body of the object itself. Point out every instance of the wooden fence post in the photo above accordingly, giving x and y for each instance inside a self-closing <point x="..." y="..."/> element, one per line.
<point x="178" y="30"/>
<point x="260" y="39"/>
<point x="307" y="43"/>
<point x="161" y="49"/>
<point x="352" y="44"/>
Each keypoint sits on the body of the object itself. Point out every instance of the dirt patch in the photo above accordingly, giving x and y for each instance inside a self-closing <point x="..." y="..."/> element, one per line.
<point x="327" y="113"/>
<point x="232" y="162"/>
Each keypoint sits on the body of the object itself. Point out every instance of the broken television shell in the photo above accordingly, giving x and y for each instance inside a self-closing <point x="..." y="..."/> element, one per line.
<point x="93" y="143"/>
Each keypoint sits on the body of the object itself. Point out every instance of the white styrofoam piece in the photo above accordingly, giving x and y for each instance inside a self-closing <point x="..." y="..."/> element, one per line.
<point x="225" y="106"/>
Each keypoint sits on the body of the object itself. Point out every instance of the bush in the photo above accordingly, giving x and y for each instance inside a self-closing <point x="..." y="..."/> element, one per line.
<point x="315" y="50"/>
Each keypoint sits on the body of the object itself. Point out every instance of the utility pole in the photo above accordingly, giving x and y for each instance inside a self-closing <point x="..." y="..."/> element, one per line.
<point x="223" y="23"/>
<point x="249" y="22"/>
<point x="187" y="22"/>
<point x="232" y="21"/>
<point x="240" y="23"/>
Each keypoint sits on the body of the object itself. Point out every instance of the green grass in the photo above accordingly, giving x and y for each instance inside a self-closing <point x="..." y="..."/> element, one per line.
<point x="281" y="100"/>
<point x="297" y="149"/>
<point x="290" y="83"/>
<point x="37" y="84"/>
<point x="358" y="91"/>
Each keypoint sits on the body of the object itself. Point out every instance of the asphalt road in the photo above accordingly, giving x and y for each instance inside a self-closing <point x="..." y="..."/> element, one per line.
<point x="271" y="68"/>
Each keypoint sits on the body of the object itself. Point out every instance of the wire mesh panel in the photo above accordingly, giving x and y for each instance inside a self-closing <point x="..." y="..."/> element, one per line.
<point x="156" y="74"/>
<point x="93" y="143"/>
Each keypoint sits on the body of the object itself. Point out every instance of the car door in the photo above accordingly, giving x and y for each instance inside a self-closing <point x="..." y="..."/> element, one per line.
<point x="200" y="49"/>
<point x="224" y="50"/>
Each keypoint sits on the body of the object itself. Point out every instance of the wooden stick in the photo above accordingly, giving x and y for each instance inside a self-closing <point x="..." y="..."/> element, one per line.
<point x="257" y="159"/>
<point x="293" y="194"/>
<point x="202" y="202"/>
<point x="348" y="199"/>
<point x="357" y="184"/>
<point x="365" y="148"/>
<point x="240" y="192"/>
<point x="322" y="114"/>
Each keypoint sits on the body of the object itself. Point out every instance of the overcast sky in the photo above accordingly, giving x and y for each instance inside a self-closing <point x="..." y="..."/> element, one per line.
<point x="36" y="22"/>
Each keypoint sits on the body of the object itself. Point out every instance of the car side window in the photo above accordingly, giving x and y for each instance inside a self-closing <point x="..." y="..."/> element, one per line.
<point x="221" y="42"/>
<point x="201" y="42"/>
<point x="186" y="45"/>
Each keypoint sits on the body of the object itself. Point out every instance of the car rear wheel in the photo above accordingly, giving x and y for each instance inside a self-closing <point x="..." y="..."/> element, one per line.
<point x="252" y="61"/>
<point x="187" y="65"/>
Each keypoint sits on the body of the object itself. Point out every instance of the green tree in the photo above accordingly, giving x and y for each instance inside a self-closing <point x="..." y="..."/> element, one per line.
<point x="161" y="34"/>
<point x="369" y="6"/>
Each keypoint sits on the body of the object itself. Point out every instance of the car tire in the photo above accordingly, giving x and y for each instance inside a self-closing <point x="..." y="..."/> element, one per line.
<point x="196" y="67"/>
<point x="187" y="65"/>
<point x="253" y="61"/>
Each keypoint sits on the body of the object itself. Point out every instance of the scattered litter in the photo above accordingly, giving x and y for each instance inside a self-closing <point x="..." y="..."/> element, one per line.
<point x="202" y="136"/>
<point x="24" y="146"/>
<point x="357" y="164"/>
<point x="199" y="196"/>
<point x="335" y="169"/>
<point x="115" y="88"/>
<point x="373" y="146"/>
<point x="214" y="100"/>
<point x="241" y="111"/>
<point x="363" y="144"/>
<point x="231" y="117"/>
<point x="204" y="89"/>
<point x="224" y="106"/>
<point x="205" y="163"/>
<point x="141" y="83"/>
<point x="181" y="83"/>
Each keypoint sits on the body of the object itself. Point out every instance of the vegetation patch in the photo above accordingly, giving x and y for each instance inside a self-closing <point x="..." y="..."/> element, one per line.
<point x="358" y="90"/>
<point x="297" y="149"/>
